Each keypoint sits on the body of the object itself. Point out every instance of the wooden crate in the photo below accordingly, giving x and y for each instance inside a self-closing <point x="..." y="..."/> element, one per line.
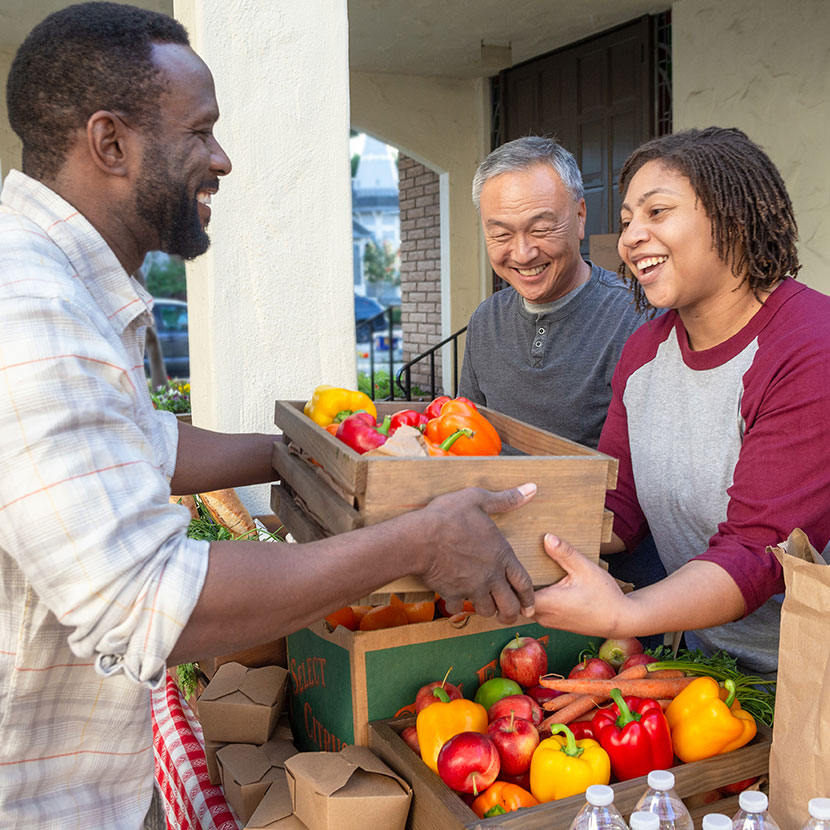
<point x="434" y="805"/>
<point x="344" y="490"/>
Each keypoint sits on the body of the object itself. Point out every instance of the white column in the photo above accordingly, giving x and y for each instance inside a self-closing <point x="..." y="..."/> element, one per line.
<point x="271" y="308"/>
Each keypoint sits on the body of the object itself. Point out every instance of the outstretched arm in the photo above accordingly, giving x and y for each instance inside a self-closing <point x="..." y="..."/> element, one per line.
<point x="255" y="592"/>
<point x="208" y="460"/>
<point x="588" y="600"/>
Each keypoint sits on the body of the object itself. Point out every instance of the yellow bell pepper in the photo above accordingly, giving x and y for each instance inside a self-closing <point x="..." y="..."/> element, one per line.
<point x="444" y="719"/>
<point x="706" y="720"/>
<point x="331" y="403"/>
<point x="561" y="766"/>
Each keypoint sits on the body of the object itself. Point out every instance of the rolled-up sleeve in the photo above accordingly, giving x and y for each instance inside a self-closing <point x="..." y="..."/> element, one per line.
<point x="84" y="494"/>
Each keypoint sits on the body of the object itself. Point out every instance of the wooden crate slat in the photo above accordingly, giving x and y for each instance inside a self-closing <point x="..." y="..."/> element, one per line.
<point x="321" y="501"/>
<point x="298" y="524"/>
<point x="344" y="465"/>
<point x="607" y="525"/>
<point x="531" y="439"/>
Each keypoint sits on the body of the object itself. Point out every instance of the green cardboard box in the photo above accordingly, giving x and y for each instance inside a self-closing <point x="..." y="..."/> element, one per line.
<point x="340" y="680"/>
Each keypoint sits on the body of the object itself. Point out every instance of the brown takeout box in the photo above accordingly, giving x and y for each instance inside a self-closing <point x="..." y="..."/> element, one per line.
<point x="241" y="705"/>
<point x="274" y="811"/>
<point x="347" y="790"/>
<point x="247" y="771"/>
<point x="211" y="748"/>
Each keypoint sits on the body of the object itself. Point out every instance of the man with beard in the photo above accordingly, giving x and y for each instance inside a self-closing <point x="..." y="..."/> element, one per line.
<point x="101" y="588"/>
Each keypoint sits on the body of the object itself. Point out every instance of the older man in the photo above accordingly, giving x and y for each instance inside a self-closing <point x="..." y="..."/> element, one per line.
<point x="543" y="350"/>
<point x="101" y="588"/>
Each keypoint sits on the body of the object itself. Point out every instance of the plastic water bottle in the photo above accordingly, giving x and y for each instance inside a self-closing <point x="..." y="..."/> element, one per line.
<point x="599" y="812"/>
<point x="661" y="799"/>
<point x="819" y="809"/>
<point x="716" y="821"/>
<point x="753" y="813"/>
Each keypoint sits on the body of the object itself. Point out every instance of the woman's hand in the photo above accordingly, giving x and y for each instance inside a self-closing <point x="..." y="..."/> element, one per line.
<point x="587" y="600"/>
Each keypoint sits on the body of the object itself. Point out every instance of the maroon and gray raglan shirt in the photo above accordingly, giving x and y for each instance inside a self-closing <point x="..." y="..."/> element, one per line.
<point x="724" y="451"/>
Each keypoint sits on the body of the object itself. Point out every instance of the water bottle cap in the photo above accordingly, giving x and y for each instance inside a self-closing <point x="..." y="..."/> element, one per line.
<point x="717" y="821"/>
<point x="643" y="820"/>
<point x="661" y="779"/>
<point x="599" y="795"/>
<point x="753" y="801"/>
<point x="819" y="808"/>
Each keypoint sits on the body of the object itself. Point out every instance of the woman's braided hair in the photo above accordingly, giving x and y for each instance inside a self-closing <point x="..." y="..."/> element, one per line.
<point x="753" y="226"/>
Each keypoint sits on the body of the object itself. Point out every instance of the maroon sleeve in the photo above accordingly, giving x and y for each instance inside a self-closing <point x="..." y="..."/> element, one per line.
<point x="782" y="478"/>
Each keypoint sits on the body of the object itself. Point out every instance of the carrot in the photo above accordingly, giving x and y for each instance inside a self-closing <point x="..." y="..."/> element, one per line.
<point x="637" y="672"/>
<point x="559" y="702"/>
<point x="667" y="673"/>
<point x="581" y="706"/>
<point x="664" y="704"/>
<point x="657" y="688"/>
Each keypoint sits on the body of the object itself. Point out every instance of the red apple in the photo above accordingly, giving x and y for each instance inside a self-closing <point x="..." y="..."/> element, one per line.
<point x="410" y="736"/>
<point x="638" y="660"/>
<point x="523" y="706"/>
<point x="426" y="696"/>
<point x="542" y="695"/>
<point x="738" y="786"/>
<point x="524" y="660"/>
<point x="592" y="667"/>
<point x="468" y="762"/>
<point x="617" y="651"/>
<point x="515" y="740"/>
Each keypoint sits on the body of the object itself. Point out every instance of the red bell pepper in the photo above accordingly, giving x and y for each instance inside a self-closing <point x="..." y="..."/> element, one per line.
<point x="635" y="734"/>
<point x="409" y="418"/>
<point x="433" y="409"/>
<point x="583" y="729"/>
<point x="360" y="432"/>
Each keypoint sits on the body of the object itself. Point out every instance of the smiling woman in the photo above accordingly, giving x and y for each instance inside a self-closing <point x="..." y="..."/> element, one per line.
<point x="721" y="407"/>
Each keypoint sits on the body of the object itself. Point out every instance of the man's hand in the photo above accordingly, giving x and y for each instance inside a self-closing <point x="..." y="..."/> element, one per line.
<point x="467" y="556"/>
<point x="587" y="600"/>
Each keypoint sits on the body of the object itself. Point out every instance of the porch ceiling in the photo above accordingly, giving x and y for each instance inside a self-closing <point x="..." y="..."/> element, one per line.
<point x="443" y="37"/>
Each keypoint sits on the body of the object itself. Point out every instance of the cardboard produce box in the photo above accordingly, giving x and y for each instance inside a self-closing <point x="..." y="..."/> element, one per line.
<point x="347" y="790"/>
<point x="275" y="811"/>
<point x="242" y="705"/>
<point x="247" y="771"/>
<point x="436" y="805"/>
<point x="344" y="490"/>
<point x="341" y="679"/>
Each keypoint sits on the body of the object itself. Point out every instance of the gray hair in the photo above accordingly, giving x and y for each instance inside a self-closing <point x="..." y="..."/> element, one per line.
<point x="523" y="153"/>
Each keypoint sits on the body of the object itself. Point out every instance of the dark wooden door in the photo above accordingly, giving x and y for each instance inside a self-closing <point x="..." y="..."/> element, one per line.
<point x="596" y="97"/>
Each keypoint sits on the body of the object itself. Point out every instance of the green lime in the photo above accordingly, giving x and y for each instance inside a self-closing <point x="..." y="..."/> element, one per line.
<point x="495" y="689"/>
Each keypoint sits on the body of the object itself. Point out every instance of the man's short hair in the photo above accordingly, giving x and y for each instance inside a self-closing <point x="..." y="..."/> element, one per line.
<point x="523" y="153"/>
<point x="84" y="58"/>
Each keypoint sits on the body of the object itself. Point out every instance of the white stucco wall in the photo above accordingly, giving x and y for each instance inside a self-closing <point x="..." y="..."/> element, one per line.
<point x="764" y="66"/>
<point x="442" y="123"/>
<point x="10" y="146"/>
<point x="271" y="306"/>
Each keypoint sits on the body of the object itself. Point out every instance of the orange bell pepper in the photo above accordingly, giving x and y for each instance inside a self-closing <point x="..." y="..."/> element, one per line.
<point x="415" y="612"/>
<point x="502" y="797"/>
<point x="460" y="415"/>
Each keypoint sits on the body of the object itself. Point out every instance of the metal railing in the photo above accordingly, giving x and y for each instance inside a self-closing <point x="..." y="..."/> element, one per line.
<point x="406" y="370"/>
<point x="388" y="314"/>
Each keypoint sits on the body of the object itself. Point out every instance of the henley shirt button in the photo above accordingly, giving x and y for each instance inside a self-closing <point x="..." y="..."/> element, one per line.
<point x="541" y="331"/>
<point x="538" y="344"/>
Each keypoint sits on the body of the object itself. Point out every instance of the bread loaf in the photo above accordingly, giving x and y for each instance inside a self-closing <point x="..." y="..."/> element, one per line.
<point x="189" y="502"/>
<point x="226" y="509"/>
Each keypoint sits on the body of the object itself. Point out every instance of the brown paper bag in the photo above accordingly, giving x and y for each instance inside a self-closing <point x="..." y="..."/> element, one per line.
<point x="799" y="762"/>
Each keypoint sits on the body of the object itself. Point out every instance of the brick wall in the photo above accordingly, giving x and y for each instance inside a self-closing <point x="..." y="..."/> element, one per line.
<point x="420" y="266"/>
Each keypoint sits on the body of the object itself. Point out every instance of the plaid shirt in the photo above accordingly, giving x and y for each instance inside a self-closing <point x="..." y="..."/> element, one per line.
<point x="97" y="577"/>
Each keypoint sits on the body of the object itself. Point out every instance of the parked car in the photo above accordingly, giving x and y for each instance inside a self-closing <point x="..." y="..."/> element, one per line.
<point x="365" y="308"/>
<point x="171" y="326"/>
